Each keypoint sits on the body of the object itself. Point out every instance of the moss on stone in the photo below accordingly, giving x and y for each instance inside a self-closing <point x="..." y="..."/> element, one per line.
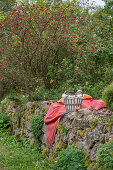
<point x="81" y="133"/>
<point x="26" y="117"/>
<point x="109" y="121"/>
<point x="92" y="166"/>
<point x="32" y="110"/>
<point x="62" y="130"/>
<point x="45" y="152"/>
<point x="29" y="112"/>
<point x="26" y="111"/>
<point x="36" y="111"/>
<point x="74" y="143"/>
<point x="93" y="123"/>
<point x="33" y="106"/>
<point x="30" y="116"/>
<point x="15" y="124"/>
<point x="108" y="127"/>
<point x="87" y="160"/>
<point x="44" y="109"/>
<point x="14" y="114"/>
<point x="20" y="131"/>
<point x="60" y="146"/>
<point x="16" y="104"/>
<point x="19" y="116"/>
<point x="10" y="122"/>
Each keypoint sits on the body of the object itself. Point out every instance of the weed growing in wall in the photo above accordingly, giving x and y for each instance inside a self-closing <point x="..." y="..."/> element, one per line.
<point x="94" y="122"/>
<point x="36" y="126"/>
<point x="4" y="121"/>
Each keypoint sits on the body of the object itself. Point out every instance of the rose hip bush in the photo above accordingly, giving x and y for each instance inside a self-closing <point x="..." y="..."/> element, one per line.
<point x="51" y="43"/>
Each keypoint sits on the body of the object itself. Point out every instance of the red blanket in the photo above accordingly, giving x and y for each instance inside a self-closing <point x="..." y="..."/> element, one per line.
<point x="93" y="104"/>
<point x="52" y="118"/>
<point x="56" y="111"/>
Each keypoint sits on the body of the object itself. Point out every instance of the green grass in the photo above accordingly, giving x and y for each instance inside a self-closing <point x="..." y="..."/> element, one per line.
<point x="20" y="155"/>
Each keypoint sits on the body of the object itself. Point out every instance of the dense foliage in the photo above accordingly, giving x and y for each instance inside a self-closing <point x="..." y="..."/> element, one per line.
<point x="5" y="5"/>
<point x="4" y="121"/>
<point x="36" y="126"/>
<point x="57" y="45"/>
<point x="70" y="158"/>
<point x="108" y="96"/>
<point x="105" y="156"/>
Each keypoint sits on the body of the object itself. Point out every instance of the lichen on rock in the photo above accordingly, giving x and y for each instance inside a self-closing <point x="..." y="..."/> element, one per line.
<point x="81" y="133"/>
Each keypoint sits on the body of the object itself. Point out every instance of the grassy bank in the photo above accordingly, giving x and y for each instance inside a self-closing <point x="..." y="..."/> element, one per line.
<point x="19" y="155"/>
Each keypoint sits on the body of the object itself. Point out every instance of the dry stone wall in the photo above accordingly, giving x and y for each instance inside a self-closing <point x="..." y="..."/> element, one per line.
<point x="86" y="128"/>
<point x="21" y="115"/>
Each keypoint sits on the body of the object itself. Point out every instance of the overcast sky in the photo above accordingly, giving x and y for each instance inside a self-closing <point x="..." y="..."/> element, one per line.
<point x="97" y="2"/>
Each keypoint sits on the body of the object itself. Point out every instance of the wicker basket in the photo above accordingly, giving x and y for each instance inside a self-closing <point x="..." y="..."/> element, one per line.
<point x="72" y="102"/>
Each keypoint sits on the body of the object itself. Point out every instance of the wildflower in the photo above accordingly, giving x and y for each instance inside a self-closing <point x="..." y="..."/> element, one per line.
<point x="51" y="81"/>
<point x="109" y="138"/>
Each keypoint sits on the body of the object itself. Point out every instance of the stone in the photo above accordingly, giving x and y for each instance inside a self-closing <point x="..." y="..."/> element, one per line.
<point x="36" y="111"/>
<point x="72" y="115"/>
<point x="75" y="122"/>
<point x="65" y="139"/>
<point x="44" y="139"/>
<point x="89" y="142"/>
<point x="28" y="125"/>
<point x="95" y="135"/>
<point x="83" y="123"/>
<point x="84" y="111"/>
<point x="102" y="138"/>
<point x="44" y="129"/>
<point x="67" y="125"/>
<point x="71" y="138"/>
<point x="93" y="151"/>
<point x="111" y="129"/>
<point x="100" y="127"/>
<point x="80" y="144"/>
